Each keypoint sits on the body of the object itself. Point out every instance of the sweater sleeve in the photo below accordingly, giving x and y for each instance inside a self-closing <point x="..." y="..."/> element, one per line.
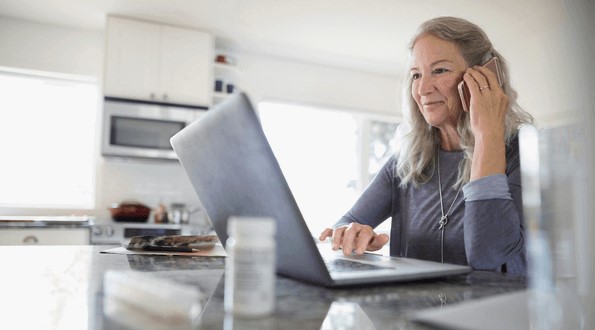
<point x="493" y="220"/>
<point x="374" y="204"/>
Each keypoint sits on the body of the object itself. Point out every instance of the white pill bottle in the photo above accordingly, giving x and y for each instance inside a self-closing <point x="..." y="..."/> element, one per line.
<point x="250" y="266"/>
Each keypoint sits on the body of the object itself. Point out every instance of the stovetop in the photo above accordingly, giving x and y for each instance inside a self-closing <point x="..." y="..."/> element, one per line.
<point x="112" y="232"/>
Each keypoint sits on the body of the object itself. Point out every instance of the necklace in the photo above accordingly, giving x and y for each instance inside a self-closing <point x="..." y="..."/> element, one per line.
<point x="444" y="218"/>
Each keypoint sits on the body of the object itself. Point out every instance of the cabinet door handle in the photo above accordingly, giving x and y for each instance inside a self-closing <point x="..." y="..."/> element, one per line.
<point x="30" y="240"/>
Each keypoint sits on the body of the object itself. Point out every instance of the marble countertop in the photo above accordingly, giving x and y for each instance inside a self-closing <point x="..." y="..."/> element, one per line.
<point x="61" y="287"/>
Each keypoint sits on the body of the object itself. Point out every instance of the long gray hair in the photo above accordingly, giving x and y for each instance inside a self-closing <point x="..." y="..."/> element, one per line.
<point x="419" y="140"/>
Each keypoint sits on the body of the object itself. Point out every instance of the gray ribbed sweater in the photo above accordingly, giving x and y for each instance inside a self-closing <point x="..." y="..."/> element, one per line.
<point x="485" y="228"/>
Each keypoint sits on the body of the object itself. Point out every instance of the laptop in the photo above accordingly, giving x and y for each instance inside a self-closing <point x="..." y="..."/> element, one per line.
<point x="233" y="170"/>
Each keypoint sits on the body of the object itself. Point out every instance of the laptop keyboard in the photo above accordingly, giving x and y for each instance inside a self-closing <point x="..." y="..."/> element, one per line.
<point x="342" y="265"/>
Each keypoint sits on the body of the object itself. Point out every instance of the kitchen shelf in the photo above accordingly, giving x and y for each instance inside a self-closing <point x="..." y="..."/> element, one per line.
<point x="220" y="95"/>
<point x="227" y="74"/>
<point x="225" y="67"/>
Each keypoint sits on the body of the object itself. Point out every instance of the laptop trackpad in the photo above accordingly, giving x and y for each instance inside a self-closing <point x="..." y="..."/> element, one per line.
<point x="385" y="266"/>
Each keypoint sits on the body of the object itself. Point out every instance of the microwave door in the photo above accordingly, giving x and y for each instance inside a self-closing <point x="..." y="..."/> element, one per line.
<point x="139" y="137"/>
<point x="140" y="130"/>
<point x="143" y="133"/>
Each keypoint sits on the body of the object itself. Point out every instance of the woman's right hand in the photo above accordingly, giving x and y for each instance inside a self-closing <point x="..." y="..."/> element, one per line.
<point x="354" y="238"/>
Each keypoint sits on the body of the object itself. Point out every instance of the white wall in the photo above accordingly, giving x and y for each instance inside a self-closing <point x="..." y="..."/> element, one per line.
<point x="35" y="46"/>
<point x="544" y="53"/>
<point x="273" y="78"/>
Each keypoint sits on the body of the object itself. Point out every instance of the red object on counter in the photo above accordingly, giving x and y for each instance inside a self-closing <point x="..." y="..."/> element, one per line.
<point x="130" y="212"/>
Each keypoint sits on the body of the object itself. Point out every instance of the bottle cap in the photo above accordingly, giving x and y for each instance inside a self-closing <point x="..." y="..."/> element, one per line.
<point x="251" y="225"/>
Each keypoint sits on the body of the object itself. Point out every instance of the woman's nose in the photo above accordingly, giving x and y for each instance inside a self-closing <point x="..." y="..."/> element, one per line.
<point x="425" y="85"/>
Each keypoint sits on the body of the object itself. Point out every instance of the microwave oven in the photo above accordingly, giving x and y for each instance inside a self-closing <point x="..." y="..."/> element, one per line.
<point x="134" y="128"/>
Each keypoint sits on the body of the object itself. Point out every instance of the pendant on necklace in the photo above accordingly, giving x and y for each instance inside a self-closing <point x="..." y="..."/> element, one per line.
<point x="443" y="221"/>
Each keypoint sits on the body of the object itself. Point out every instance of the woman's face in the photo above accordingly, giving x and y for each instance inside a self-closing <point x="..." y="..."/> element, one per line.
<point x="437" y="68"/>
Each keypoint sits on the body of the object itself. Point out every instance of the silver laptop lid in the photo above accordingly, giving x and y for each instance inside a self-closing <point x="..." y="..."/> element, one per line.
<point x="234" y="172"/>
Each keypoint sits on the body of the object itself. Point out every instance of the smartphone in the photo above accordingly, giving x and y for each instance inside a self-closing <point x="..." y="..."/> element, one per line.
<point x="494" y="65"/>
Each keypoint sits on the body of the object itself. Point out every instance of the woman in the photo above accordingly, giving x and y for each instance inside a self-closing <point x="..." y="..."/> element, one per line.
<point x="453" y="189"/>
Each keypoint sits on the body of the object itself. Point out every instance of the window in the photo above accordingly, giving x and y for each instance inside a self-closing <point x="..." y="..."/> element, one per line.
<point x="47" y="140"/>
<point x="328" y="157"/>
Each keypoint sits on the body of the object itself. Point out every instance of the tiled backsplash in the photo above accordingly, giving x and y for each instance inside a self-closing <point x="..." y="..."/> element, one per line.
<point x="150" y="182"/>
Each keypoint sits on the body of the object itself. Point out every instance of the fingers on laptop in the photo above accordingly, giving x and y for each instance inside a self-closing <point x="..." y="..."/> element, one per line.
<point x="328" y="232"/>
<point x="378" y="242"/>
<point x="356" y="238"/>
<point x="337" y="238"/>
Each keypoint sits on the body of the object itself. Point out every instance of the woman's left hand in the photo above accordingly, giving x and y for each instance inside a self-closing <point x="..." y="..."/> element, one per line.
<point x="487" y="112"/>
<point x="489" y="103"/>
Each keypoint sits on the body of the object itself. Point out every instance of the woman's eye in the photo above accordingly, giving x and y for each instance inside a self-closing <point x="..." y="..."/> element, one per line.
<point x="439" y="71"/>
<point x="415" y="76"/>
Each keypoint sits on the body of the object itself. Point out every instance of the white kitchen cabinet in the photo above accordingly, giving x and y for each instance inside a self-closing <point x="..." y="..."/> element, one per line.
<point x="148" y="61"/>
<point x="44" y="236"/>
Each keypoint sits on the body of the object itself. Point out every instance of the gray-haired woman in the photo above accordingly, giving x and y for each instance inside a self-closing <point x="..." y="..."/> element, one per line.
<point x="453" y="189"/>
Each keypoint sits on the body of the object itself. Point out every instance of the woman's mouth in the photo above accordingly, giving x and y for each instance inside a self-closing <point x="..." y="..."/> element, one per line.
<point x="432" y="104"/>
